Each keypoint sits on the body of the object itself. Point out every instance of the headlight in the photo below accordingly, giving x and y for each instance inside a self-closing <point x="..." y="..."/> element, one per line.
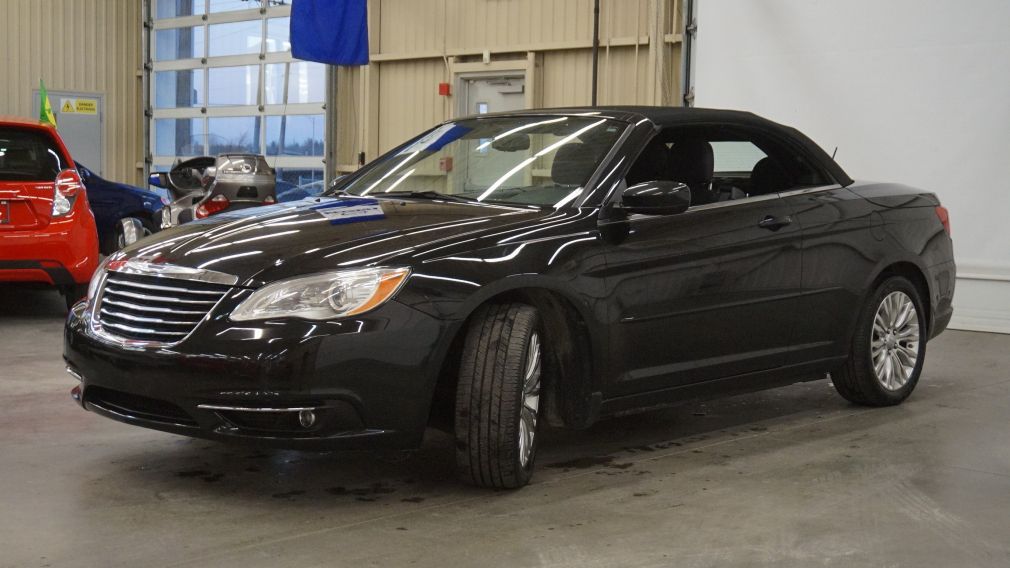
<point x="323" y="296"/>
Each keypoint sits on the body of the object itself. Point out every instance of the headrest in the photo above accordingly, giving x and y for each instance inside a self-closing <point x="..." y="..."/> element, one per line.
<point x="767" y="177"/>
<point x="691" y="162"/>
<point x="573" y="164"/>
<point x="653" y="164"/>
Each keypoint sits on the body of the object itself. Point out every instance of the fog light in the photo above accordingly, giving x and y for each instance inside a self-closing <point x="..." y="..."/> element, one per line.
<point x="306" y="418"/>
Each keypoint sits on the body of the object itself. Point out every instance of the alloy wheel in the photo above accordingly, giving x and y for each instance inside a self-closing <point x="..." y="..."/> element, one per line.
<point x="894" y="343"/>
<point x="531" y="400"/>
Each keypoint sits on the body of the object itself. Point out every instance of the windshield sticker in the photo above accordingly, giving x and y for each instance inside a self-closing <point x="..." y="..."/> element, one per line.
<point x="436" y="139"/>
<point x="350" y="210"/>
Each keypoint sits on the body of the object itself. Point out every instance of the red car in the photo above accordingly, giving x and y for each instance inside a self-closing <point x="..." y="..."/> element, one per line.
<point x="47" y="230"/>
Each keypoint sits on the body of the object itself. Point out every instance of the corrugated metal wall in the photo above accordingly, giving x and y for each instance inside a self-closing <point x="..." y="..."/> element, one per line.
<point x="78" y="45"/>
<point x="416" y="43"/>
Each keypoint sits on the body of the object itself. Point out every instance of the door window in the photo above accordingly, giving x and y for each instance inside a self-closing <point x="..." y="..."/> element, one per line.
<point x="720" y="163"/>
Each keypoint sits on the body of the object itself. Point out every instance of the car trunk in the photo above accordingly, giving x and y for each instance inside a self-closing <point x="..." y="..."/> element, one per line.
<point x="25" y="205"/>
<point x="30" y="160"/>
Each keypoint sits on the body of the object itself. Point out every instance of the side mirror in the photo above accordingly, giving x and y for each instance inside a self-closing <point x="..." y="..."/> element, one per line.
<point x="656" y="198"/>
<point x="158" y="179"/>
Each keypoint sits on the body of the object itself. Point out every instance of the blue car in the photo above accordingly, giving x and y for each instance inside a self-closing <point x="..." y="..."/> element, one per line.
<point x="112" y="202"/>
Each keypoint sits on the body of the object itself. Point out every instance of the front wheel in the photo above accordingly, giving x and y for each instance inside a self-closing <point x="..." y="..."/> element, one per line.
<point x="130" y="230"/>
<point x="498" y="396"/>
<point x="888" y="348"/>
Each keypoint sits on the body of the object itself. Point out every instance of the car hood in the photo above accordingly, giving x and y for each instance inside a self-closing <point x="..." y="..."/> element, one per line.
<point x="264" y="244"/>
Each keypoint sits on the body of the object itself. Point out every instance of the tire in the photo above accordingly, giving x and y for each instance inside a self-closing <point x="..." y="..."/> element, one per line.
<point x="118" y="244"/>
<point x="880" y="370"/>
<point x="498" y="396"/>
<point x="73" y="294"/>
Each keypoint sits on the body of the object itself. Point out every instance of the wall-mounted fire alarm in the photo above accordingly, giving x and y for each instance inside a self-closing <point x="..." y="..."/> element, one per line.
<point x="444" y="89"/>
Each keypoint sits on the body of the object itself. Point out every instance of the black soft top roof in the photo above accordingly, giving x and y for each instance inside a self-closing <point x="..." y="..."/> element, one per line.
<point x="664" y="117"/>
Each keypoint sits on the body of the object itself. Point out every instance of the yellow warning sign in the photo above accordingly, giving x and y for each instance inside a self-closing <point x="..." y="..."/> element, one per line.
<point x="86" y="106"/>
<point x="79" y="106"/>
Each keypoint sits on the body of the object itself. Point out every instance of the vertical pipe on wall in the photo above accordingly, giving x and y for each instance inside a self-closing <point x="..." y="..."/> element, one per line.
<point x="690" y="28"/>
<point x="596" y="47"/>
<point x="147" y="22"/>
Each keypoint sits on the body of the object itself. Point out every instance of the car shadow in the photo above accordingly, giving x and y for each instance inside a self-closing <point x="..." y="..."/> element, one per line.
<point x="612" y="447"/>
<point x="29" y="302"/>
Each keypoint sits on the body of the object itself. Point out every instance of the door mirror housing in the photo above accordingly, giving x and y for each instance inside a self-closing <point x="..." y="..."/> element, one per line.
<point x="158" y="179"/>
<point x="656" y="198"/>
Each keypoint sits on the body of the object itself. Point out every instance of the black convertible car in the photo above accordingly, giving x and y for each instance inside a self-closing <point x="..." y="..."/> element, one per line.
<point x="502" y="271"/>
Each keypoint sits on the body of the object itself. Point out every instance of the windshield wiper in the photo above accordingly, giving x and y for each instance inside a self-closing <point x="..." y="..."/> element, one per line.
<point x="429" y="195"/>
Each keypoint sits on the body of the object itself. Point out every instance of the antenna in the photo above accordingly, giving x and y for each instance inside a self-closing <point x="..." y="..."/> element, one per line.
<point x="833" y="153"/>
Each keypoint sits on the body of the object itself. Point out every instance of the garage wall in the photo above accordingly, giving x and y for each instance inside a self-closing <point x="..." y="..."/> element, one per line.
<point x="909" y="91"/>
<point x="78" y="45"/>
<point x="417" y="44"/>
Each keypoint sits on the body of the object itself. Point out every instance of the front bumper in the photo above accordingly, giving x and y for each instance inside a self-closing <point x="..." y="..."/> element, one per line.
<point x="368" y="381"/>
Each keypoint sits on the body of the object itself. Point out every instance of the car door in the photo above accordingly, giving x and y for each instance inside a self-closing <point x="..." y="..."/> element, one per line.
<point x="842" y="243"/>
<point x="708" y="293"/>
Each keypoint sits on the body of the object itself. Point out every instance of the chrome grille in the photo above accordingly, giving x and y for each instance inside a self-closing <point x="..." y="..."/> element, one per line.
<point x="154" y="308"/>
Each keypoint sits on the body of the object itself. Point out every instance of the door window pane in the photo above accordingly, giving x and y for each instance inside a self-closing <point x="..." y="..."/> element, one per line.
<point x="175" y="89"/>
<point x="306" y="83"/>
<point x="297" y="135"/>
<point x="230" y="5"/>
<point x="236" y="38"/>
<point x="279" y="34"/>
<point x="735" y="156"/>
<point x="234" y="134"/>
<point x="178" y="136"/>
<point x="178" y="43"/>
<point x="233" y="85"/>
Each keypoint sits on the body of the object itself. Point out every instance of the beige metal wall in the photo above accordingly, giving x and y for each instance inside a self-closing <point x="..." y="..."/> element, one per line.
<point x="417" y="44"/>
<point x="79" y="45"/>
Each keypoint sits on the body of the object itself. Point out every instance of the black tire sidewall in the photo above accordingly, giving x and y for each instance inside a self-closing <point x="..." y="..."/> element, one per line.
<point x="489" y="399"/>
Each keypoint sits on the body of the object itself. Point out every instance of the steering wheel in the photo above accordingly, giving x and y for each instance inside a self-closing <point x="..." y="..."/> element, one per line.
<point x="185" y="179"/>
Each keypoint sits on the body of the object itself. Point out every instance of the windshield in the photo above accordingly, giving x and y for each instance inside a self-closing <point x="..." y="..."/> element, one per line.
<point x="531" y="160"/>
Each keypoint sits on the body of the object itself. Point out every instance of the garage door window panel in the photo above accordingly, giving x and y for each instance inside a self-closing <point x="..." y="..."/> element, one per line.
<point x="223" y="80"/>
<point x="233" y="86"/>
<point x="179" y="136"/>
<point x="179" y="43"/>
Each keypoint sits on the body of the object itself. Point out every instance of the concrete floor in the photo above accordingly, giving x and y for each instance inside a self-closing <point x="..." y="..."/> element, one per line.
<point x="792" y="477"/>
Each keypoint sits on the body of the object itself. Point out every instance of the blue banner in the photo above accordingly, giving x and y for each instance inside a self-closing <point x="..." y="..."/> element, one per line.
<point x="330" y="31"/>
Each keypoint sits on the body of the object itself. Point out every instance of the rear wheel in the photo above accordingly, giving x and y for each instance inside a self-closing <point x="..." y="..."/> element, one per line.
<point x="498" y="396"/>
<point x="888" y="348"/>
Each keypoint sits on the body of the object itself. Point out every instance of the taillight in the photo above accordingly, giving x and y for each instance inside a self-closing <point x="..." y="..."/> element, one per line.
<point x="944" y="216"/>
<point x="68" y="185"/>
<point x="269" y="200"/>
<point x="216" y="204"/>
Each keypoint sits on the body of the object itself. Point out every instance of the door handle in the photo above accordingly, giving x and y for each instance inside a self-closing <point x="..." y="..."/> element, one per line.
<point x="774" y="223"/>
